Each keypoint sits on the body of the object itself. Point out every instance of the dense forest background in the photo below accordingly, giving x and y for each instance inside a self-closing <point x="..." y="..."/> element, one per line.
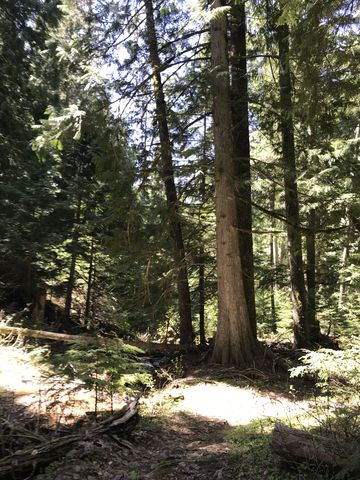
<point x="179" y="239"/>
<point x="173" y="168"/>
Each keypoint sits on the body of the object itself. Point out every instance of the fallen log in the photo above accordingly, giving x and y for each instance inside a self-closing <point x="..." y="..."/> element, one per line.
<point x="45" y="452"/>
<point x="293" y="447"/>
<point x="88" y="340"/>
<point x="63" y="337"/>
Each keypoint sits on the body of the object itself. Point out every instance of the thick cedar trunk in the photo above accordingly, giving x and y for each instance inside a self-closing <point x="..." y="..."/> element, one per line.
<point x="235" y="342"/>
<point x="314" y="327"/>
<point x="167" y="171"/>
<point x="298" y="294"/>
<point x="74" y="254"/>
<point x="240" y="117"/>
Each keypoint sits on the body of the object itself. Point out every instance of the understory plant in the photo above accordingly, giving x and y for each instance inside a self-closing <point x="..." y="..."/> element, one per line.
<point x="106" y="371"/>
<point x="337" y="376"/>
<point x="336" y="372"/>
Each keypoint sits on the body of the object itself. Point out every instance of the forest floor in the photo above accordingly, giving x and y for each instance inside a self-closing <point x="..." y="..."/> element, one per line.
<point x="211" y="424"/>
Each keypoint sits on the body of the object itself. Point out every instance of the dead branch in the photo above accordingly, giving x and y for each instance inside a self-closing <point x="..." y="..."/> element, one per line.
<point x="49" y="450"/>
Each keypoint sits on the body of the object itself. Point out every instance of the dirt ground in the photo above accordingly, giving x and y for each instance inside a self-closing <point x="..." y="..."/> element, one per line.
<point x="183" y="430"/>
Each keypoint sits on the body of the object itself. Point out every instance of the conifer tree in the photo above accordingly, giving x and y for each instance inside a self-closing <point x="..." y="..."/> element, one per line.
<point x="298" y="293"/>
<point x="235" y="342"/>
<point x="167" y="172"/>
<point x="240" y="113"/>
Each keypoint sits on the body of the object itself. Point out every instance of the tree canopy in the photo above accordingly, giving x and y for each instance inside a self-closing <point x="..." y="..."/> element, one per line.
<point x="181" y="170"/>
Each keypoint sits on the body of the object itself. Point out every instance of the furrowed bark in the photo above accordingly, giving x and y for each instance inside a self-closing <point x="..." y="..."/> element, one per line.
<point x="235" y="343"/>
<point x="240" y="117"/>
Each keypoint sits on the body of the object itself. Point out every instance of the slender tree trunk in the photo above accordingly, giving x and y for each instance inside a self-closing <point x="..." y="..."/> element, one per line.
<point x="298" y="294"/>
<point x="29" y="288"/>
<point x="344" y="262"/>
<point x="38" y="307"/>
<point x="186" y="330"/>
<point x="355" y="183"/>
<point x="353" y="219"/>
<point x="314" y="327"/>
<point x="74" y="254"/>
<point x="89" y="282"/>
<point x="240" y="117"/>
<point x="273" y="263"/>
<point x="202" y="296"/>
<point x="202" y="250"/>
<point x="235" y="341"/>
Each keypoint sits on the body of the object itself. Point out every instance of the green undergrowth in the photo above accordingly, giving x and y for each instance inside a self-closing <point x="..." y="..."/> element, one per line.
<point x="251" y="450"/>
<point x="153" y="423"/>
<point x="104" y="370"/>
<point x="333" y="413"/>
<point x="328" y="379"/>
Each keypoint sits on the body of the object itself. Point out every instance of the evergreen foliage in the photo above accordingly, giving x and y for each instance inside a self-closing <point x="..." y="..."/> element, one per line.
<point x="84" y="215"/>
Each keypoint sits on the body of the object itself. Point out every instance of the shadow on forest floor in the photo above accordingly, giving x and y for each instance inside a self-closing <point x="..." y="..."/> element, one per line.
<point x="214" y="424"/>
<point x="267" y="379"/>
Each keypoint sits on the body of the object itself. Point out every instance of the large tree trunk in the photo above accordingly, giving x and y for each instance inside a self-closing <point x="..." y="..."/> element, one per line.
<point x="298" y="294"/>
<point x="235" y="342"/>
<point x="186" y="330"/>
<point x="240" y="117"/>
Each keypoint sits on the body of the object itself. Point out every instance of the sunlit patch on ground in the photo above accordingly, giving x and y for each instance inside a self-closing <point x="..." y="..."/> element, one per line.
<point x="233" y="405"/>
<point x="17" y="374"/>
<point x="32" y="386"/>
